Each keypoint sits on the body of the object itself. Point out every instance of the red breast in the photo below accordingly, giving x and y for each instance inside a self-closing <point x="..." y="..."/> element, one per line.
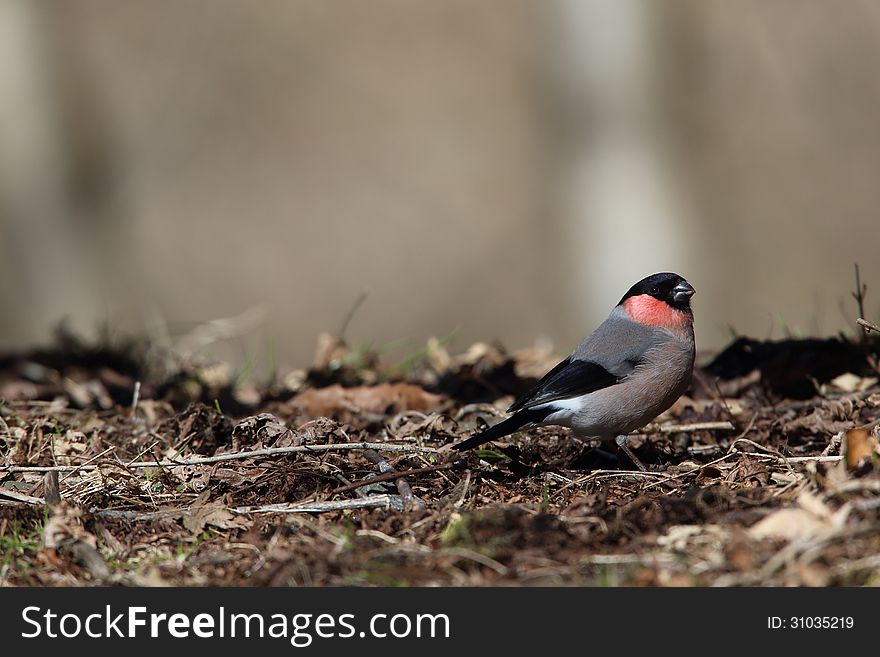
<point x="647" y="310"/>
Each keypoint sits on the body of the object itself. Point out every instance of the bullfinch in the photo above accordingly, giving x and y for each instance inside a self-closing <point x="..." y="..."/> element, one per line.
<point x="628" y="371"/>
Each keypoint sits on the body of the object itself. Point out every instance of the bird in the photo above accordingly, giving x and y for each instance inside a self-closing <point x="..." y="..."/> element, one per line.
<point x="633" y="367"/>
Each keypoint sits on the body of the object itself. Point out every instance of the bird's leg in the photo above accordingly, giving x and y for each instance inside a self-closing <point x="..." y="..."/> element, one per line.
<point x="621" y="443"/>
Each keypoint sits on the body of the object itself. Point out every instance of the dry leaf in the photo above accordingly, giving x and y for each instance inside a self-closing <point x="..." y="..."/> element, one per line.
<point x="852" y="383"/>
<point x="70" y="446"/>
<point x="263" y="428"/>
<point x="215" y="515"/>
<point x="858" y="446"/>
<point x="382" y="398"/>
<point x="534" y="362"/>
<point x="811" y="518"/>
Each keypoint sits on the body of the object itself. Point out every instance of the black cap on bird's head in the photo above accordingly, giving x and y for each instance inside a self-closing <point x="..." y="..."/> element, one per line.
<point x="666" y="286"/>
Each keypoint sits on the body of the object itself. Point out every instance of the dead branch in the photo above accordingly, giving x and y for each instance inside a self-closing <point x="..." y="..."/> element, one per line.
<point x="816" y="459"/>
<point x="385" y="468"/>
<point x="868" y="326"/>
<point x="696" y="469"/>
<point x="761" y="448"/>
<point x="374" y="501"/>
<point x="482" y="559"/>
<point x="271" y="451"/>
<point x="697" y="426"/>
<point x="94" y="458"/>
<point x="119" y="514"/>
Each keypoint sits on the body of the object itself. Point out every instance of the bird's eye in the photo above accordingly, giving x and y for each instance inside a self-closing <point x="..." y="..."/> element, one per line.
<point x="655" y="290"/>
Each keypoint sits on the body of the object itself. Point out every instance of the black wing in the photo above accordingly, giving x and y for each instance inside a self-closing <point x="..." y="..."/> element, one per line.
<point x="505" y="428"/>
<point x="571" y="378"/>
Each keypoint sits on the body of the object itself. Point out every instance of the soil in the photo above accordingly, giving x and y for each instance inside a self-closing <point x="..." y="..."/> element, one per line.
<point x="765" y="473"/>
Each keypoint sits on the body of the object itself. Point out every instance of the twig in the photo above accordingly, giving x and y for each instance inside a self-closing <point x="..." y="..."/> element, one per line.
<point x="135" y="397"/>
<point x="383" y="501"/>
<point x="769" y="452"/>
<point x="386" y="469"/>
<point x="95" y="457"/>
<point x="141" y="453"/>
<point x="613" y="559"/>
<point x="697" y="426"/>
<point x="721" y="397"/>
<point x="833" y="444"/>
<point x="868" y="425"/>
<point x="372" y="501"/>
<point x="817" y="459"/>
<point x="347" y="482"/>
<point x="695" y="470"/>
<point x="868" y="326"/>
<point x="606" y="474"/>
<point x="391" y="475"/>
<point x="758" y="446"/>
<point x="464" y="490"/>
<point x="482" y="559"/>
<point x="271" y="451"/>
<point x="120" y="514"/>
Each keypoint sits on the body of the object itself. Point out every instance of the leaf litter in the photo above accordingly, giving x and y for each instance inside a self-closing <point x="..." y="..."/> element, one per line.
<point x="766" y="473"/>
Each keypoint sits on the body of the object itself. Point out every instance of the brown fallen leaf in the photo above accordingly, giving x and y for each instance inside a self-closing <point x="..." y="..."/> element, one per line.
<point x="264" y="428"/>
<point x="416" y="424"/>
<point x="811" y="518"/>
<point x="202" y="513"/>
<point x="850" y="382"/>
<point x="382" y="398"/>
<point x="215" y="515"/>
<point x="534" y="362"/>
<point x="859" y="447"/>
<point x="69" y="446"/>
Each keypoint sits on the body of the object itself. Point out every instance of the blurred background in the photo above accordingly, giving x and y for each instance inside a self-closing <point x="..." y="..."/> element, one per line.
<point x="237" y="176"/>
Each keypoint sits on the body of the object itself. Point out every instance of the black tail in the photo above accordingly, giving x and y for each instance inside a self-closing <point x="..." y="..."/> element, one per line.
<point x="513" y="423"/>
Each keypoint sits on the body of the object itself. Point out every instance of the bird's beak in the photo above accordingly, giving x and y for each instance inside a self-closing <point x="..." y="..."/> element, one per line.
<point x="683" y="291"/>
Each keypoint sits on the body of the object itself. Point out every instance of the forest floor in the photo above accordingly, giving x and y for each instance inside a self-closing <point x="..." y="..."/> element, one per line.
<point x="121" y="466"/>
